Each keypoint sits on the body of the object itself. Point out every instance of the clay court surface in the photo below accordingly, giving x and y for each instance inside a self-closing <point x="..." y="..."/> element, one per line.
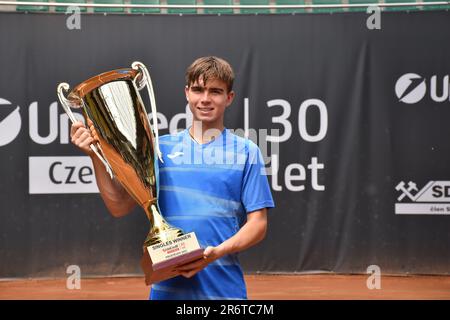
<point x="260" y="287"/>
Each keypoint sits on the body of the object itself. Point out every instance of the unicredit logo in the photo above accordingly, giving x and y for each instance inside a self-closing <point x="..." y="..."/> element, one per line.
<point x="410" y="88"/>
<point x="11" y="124"/>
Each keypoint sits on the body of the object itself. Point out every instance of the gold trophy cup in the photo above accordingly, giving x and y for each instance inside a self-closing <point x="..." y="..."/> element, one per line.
<point x="129" y="150"/>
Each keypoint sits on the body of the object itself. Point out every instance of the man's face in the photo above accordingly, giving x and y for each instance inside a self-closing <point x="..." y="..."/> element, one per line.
<point x="208" y="102"/>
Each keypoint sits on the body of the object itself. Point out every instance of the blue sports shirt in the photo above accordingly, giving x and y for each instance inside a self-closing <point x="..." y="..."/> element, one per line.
<point x="209" y="189"/>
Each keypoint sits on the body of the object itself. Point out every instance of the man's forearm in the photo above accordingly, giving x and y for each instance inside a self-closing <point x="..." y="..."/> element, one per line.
<point x="116" y="198"/>
<point x="252" y="232"/>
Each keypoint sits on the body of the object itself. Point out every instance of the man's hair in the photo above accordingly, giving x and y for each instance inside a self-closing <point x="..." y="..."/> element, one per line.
<point x="210" y="68"/>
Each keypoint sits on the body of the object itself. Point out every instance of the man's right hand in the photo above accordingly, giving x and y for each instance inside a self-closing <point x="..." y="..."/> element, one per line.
<point x="82" y="137"/>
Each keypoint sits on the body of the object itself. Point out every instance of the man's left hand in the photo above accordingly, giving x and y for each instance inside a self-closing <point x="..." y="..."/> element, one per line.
<point x="209" y="255"/>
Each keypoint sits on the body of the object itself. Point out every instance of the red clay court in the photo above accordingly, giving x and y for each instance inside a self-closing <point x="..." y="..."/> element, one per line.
<point x="260" y="287"/>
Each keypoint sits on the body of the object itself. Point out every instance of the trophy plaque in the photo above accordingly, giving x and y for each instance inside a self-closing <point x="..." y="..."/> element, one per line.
<point x="129" y="149"/>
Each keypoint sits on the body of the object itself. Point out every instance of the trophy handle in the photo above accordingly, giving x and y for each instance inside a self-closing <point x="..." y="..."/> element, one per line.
<point x="64" y="87"/>
<point x="146" y="80"/>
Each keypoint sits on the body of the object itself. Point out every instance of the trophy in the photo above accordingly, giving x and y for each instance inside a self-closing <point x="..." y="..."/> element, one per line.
<point x="129" y="149"/>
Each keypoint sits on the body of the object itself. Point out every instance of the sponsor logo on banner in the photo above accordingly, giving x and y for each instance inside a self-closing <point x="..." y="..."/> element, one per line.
<point x="433" y="198"/>
<point x="411" y="88"/>
<point x="11" y="124"/>
<point x="294" y="177"/>
<point x="50" y="175"/>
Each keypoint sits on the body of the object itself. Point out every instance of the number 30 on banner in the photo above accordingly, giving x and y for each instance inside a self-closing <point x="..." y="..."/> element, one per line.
<point x="304" y="107"/>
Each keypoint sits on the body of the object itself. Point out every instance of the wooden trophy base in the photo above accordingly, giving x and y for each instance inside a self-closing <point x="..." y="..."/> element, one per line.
<point x="168" y="256"/>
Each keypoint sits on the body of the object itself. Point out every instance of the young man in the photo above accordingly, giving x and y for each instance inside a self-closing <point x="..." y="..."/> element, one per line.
<point x="212" y="182"/>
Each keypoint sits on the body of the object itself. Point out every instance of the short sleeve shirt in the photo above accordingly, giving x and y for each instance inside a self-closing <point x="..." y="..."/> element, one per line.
<point x="209" y="189"/>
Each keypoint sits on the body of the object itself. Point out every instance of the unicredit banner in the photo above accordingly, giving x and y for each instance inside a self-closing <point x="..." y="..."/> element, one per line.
<point x="353" y="124"/>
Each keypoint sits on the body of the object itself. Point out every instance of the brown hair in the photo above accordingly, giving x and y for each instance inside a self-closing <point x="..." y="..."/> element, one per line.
<point x="211" y="67"/>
